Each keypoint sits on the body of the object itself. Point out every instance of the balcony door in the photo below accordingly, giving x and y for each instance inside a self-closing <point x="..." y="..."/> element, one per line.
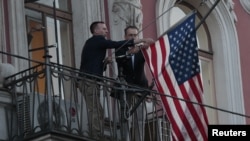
<point x="51" y="28"/>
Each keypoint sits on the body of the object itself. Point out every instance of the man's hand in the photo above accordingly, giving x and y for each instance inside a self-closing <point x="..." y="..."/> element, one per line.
<point x="140" y="44"/>
<point x="148" y="41"/>
<point x="134" y="50"/>
<point x="107" y="60"/>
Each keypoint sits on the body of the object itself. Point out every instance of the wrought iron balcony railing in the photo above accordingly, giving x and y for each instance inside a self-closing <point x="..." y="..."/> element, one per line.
<point x="53" y="98"/>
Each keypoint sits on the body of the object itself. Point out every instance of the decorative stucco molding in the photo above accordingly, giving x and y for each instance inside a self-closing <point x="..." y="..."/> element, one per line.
<point x="128" y="11"/>
<point x="230" y="5"/>
<point x="246" y="5"/>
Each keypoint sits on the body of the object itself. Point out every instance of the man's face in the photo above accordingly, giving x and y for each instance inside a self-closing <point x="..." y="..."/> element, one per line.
<point x="101" y="29"/>
<point x="131" y="34"/>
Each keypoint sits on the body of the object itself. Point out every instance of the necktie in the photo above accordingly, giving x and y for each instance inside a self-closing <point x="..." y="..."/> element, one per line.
<point x="133" y="60"/>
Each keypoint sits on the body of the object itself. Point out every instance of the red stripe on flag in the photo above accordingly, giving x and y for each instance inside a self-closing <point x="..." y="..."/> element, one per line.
<point x="163" y="51"/>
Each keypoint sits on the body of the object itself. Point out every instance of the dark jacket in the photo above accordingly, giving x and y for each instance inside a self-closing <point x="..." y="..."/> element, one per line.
<point x="94" y="52"/>
<point x="132" y="75"/>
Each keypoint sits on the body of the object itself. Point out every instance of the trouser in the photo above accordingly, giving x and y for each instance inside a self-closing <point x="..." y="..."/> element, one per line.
<point x="91" y="92"/>
<point x="134" y="130"/>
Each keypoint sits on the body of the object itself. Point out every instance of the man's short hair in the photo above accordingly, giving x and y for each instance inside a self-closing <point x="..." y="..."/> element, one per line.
<point x="129" y="27"/>
<point x="94" y="25"/>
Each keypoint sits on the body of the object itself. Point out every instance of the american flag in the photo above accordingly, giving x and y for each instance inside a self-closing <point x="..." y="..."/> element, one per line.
<point x="174" y="63"/>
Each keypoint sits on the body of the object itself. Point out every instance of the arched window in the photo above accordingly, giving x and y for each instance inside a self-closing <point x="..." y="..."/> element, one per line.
<point x="205" y="55"/>
<point x="218" y="50"/>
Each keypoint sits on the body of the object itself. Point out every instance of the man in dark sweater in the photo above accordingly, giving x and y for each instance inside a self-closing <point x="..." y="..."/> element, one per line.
<point x="92" y="62"/>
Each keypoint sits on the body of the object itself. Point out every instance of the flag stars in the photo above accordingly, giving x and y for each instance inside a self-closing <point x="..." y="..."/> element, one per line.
<point x="179" y="79"/>
<point x="176" y="71"/>
<point x="180" y="72"/>
<point x="183" y="51"/>
<point x="181" y="66"/>
<point x="172" y="62"/>
<point x="192" y="72"/>
<point x="172" y="45"/>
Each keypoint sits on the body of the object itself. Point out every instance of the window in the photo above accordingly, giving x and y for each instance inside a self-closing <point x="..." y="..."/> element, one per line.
<point x="52" y="28"/>
<point x="62" y="4"/>
<point x="57" y="30"/>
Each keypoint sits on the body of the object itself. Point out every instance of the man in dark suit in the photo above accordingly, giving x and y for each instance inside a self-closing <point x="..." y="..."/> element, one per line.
<point x="93" y="63"/>
<point x="131" y="60"/>
<point x="130" y="63"/>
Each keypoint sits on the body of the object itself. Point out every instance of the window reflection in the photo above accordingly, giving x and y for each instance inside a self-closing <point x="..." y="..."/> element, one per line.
<point x="178" y="13"/>
<point x="60" y="4"/>
<point x="42" y="30"/>
<point x="208" y="93"/>
<point x="60" y="39"/>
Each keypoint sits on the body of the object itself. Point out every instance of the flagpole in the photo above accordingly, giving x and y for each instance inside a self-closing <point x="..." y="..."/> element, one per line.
<point x="208" y="13"/>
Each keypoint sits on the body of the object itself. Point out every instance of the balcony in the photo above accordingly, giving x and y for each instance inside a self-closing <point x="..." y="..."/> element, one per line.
<point x="49" y="104"/>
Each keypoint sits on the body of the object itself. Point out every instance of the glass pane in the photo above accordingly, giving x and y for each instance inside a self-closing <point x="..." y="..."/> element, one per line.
<point x="177" y="13"/>
<point x="60" y="4"/>
<point x="202" y="37"/>
<point x="61" y="54"/>
<point x="208" y="87"/>
<point x="36" y="41"/>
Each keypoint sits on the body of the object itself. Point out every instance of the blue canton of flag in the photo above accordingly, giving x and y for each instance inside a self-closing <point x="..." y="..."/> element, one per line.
<point x="183" y="56"/>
